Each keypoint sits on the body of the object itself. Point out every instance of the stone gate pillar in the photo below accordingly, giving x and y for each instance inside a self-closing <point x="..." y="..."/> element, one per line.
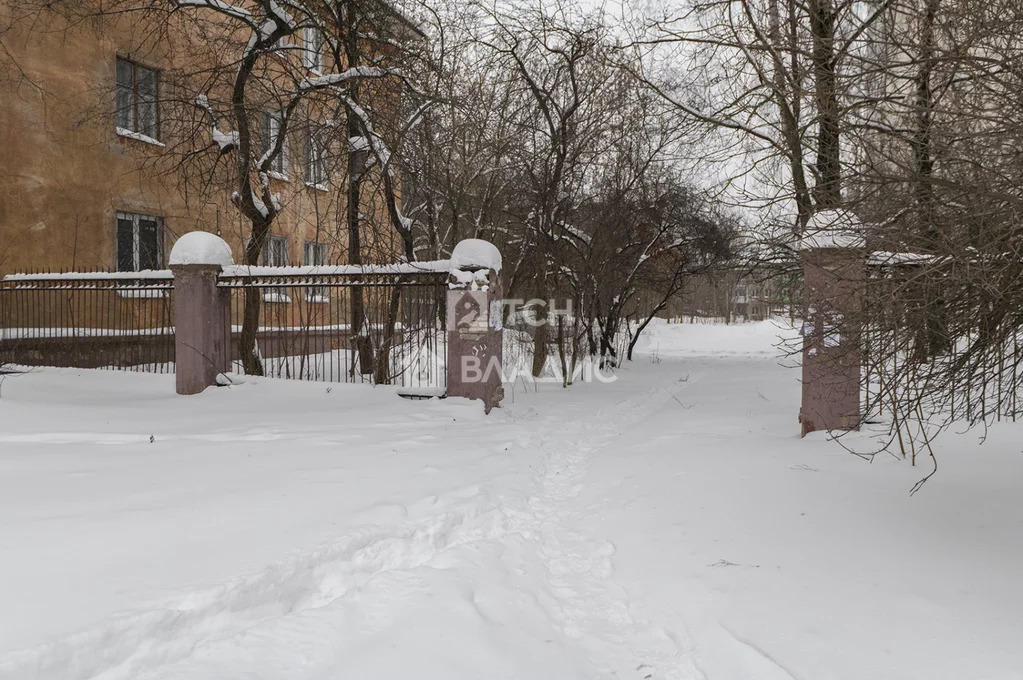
<point x="202" y="324"/>
<point x="474" y="327"/>
<point x="834" y="275"/>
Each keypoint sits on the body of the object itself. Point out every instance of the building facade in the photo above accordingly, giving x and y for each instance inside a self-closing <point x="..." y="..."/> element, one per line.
<point x="106" y="161"/>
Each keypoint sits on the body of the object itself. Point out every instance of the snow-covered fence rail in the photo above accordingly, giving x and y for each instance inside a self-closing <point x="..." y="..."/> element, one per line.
<point x="118" y="320"/>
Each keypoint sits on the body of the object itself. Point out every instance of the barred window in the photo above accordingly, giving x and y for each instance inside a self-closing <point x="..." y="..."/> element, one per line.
<point x="139" y="242"/>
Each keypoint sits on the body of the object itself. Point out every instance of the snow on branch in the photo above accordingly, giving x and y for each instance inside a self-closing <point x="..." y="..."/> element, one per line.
<point x="358" y="143"/>
<point x="219" y="6"/>
<point x="227" y="141"/>
<point x="260" y="206"/>
<point x="384" y="40"/>
<point x="280" y="17"/>
<point x="376" y="143"/>
<point x="334" y="79"/>
<point x="647" y="254"/>
<point x="573" y="233"/>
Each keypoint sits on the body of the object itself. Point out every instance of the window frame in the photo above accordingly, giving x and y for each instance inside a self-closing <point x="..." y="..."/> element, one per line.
<point x="317" y="294"/>
<point x="134" y="129"/>
<point x="275" y="116"/>
<point x="136" y="241"/>
<point x="267" y="248"/>
<point x="316" y="179"/>
<point x="312" y="49"/>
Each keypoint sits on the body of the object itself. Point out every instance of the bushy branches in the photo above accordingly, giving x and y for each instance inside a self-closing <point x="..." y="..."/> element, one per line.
<point x="905" y="113"/>
<point x="547" y="145"/>
<point x="521" y="124"/>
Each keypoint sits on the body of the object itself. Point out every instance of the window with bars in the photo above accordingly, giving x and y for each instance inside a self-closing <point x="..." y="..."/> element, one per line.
<point x="275" y="251"/>
<point x="315" y="160"/>
<point x="312" y="49"/>
<point x="137" y="89"/>
<point x="271" y="131"/>
<point x="139" y="242"/>
<point x="316" y="255"/>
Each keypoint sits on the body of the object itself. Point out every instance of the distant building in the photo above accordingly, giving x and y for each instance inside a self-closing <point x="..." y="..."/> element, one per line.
<point x="757" y="297"/>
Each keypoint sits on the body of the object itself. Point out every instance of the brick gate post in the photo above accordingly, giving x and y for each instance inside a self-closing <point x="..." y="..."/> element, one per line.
<point x="834" y="275"/>
<point x="202" y="324"/>
<point x="474" y="327"/>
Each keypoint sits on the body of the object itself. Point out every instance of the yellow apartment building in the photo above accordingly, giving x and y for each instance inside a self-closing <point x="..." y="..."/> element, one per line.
<point x="100" y="169"/>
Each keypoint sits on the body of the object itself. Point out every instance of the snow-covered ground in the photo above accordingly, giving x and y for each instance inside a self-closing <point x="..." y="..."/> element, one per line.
<point x="668" y="525"/>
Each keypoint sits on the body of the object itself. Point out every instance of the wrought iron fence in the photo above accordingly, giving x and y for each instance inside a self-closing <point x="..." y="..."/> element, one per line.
<point x="336" y="324"/>
<point x="88" y="320"/>
<point x="940" y="344"/>
<point x="385" y="328"/>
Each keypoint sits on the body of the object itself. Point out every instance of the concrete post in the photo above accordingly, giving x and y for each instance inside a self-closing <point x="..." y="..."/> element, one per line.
<point x="833" y="280"/>
<point x="202" y="325"/>
<point x="474" y="328"/>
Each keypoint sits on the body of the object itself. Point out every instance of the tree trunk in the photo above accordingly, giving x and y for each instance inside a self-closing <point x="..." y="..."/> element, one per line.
<point x="787" y="99"/>
<point x="935" y="340"/>
<point x="382" y="375"/>
<point x="541" y="337"/>
<point x="828" y="190"/>
<point x="561" y="351"/>
<point x="359" y="323"/>
<point x="360" y="327"/>
<point x="252" y="364"/>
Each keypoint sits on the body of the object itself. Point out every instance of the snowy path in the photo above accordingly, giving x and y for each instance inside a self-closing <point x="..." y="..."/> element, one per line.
<point x="669" y="525"/>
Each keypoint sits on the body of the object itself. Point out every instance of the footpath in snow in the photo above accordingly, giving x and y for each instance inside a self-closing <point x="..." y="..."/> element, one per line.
<point x="668" y="525"/>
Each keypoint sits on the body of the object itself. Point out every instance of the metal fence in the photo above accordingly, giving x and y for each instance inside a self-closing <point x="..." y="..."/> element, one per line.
<point x="940" y="343"/>
<point x="88" y="320"/>
<point x="371" y="326"/>
<point x="351" y="327"/>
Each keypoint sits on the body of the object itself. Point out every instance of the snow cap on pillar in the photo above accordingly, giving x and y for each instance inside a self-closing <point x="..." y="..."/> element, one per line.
<point x="474" y="253"/>
<point x="201" y="247"/>
<point x="833" y="229"/>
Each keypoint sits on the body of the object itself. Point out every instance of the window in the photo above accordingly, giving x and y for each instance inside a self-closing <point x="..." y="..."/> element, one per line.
<point x="316" y="254"/>
<point x="275" y="254"/>
<point x="275" y="251"/>
<point x="312" y="49"/>
<point x="271" y="131"/>
<point x="136" y="100"/>
<point x="139" y="242"/>
<point x="315" y="170"/>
